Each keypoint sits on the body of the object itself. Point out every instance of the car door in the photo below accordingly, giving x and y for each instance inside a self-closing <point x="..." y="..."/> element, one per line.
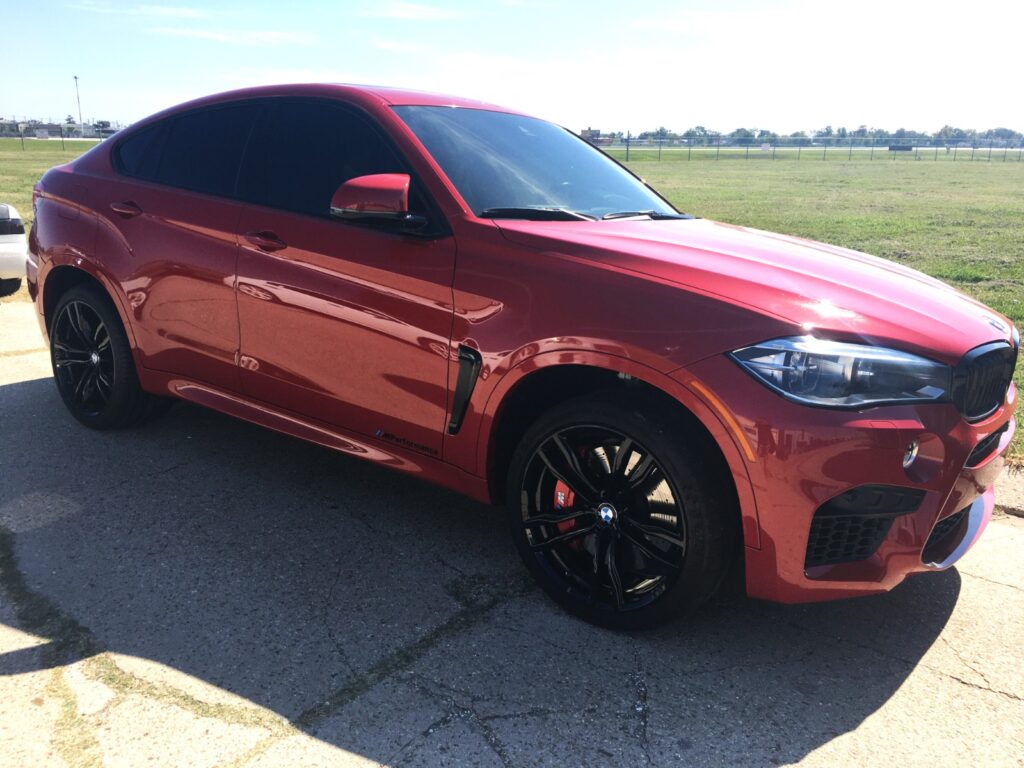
<point x="171" y="203"/>
<point x="342" y="322"/>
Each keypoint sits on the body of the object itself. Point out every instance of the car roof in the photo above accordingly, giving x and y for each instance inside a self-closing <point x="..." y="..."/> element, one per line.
<point x="356" y="93"/>
<point x="408" y="97"/>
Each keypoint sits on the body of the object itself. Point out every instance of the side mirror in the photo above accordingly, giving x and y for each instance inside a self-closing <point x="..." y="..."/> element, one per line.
<point x="382" y="197"/>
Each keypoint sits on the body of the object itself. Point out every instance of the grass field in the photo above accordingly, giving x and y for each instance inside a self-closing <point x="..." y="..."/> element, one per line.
<point x="962" y="222"/>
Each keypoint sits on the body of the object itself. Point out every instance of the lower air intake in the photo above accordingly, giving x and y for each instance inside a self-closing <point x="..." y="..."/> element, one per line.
<point x="851" y="526"/>
<point x="946" y="535"/>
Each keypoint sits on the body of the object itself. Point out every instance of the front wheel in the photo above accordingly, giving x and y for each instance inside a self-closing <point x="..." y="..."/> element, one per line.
<point x="620" y="513"/>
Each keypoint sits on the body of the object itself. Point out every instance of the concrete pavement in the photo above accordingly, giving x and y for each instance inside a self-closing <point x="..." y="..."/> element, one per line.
<point x="204" y="592"/>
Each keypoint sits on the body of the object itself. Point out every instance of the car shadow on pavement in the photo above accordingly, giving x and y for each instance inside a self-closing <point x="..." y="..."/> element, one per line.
<point x="391" y="618"/>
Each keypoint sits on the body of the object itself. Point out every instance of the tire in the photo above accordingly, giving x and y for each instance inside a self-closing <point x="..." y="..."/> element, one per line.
<point x="621" y="512"/>
<point x="10" y="287"/>
<point x="92" y="363"/>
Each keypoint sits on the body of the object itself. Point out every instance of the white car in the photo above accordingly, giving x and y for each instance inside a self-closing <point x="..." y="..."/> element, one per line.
<point x="13" y="250"/>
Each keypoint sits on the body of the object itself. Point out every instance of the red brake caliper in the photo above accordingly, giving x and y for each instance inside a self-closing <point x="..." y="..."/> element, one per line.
<point x="564" y="499"/>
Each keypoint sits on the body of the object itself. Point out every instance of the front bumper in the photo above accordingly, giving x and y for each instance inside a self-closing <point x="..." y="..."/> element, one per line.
<point x="798" y="458"/>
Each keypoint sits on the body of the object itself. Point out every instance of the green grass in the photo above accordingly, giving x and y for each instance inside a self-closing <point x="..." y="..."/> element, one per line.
<point x="962" y="222"/>
<point x="21" y="169"/>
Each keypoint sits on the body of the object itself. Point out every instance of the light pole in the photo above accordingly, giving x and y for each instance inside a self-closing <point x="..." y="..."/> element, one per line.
<point x="81" y="125"/>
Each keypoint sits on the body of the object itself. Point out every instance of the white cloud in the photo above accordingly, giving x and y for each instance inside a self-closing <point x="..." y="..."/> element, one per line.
<point x="410" y="12"/>
<point x="397" y="46"/>
<point x="160" y="11"/>
<point x="168" y="11"/>
<point x="244" y="37"/>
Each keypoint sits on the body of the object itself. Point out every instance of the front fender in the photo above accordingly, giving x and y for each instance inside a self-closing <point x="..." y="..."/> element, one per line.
<point x="700" y="404"/>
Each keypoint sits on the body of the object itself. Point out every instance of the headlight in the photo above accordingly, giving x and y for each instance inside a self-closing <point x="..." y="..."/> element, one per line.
<point x="831" y="373"/>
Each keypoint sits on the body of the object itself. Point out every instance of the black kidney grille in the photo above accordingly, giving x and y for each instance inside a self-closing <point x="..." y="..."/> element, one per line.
<point x="982" y="378"/>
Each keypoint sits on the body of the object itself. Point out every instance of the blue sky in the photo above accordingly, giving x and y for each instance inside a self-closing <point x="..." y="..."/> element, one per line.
<point x="785" y="65"/>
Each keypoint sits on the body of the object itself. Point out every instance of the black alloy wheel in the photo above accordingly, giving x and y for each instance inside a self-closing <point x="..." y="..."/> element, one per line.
<point x="93" y="364"/>
<point x="600" y="515"/>
<point x="623" y="514"/>
<point x="83" y="359"/>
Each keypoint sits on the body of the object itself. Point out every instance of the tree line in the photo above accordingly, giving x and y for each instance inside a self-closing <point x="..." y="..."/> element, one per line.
<point x="699" y="135"/>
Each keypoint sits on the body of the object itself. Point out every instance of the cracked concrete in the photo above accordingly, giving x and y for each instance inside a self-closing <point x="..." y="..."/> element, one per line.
<point x="202" y="592"/>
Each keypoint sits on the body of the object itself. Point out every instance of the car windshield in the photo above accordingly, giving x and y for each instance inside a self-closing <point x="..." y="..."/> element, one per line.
<point x="505" y="166"/>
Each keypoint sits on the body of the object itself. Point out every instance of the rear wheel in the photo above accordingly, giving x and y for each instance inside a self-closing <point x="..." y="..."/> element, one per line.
<point x="620" y="515"/>
<point x="93" y="365"/>
<point x="9" y="287"/>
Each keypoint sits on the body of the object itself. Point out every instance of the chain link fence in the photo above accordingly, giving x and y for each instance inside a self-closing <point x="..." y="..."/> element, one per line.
<point x="816" y="148"/>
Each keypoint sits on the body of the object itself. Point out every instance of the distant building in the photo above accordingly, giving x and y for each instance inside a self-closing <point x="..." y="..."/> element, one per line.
<point x="37" y="130"/>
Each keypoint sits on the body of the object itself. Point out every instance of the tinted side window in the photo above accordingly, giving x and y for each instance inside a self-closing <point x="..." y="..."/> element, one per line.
<point x="139" y="154"/>
<point x="202" y="150"/>
<point x="306" y="150"/>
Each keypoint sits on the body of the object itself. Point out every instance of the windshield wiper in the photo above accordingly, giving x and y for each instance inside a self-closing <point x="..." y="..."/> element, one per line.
<point x="657" y="215"/>
<point x="535" y="214"/>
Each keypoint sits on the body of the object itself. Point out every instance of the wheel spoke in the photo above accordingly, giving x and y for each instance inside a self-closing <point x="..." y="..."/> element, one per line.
<point x="535" y="520"/>
<point x="572" y="475"/>
<point x="100" y="338"/>
<point x="642" y="473"/>
<point x="622" y="454"/>
<point x="653" y="532"/>
<point x="103" y="386"/>
<point x="77" y="323"/>
<point x="574" y="464"/>
<point x="80" y="386"/>
<point x="649" y="552"/>
<point x="612" y="569"/>
<point x="575" y="533"/>
<point x="67" y="349"/>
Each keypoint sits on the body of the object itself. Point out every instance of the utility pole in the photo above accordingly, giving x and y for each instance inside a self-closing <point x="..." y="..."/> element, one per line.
<point x="79" y="100"/>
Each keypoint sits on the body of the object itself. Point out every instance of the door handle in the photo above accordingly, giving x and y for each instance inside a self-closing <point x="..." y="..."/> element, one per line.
<point x="126" y="209"/>
<point x="266" y="241"/>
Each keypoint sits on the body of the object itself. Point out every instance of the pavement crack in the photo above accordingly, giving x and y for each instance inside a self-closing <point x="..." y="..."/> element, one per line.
<point x="451" y="567"/>
<point x="339" y="647"/>
<point x="478" y="599"/>
<point x="920" y="664"/>
<point x="641" y="704"/>
<point x="965" y="662"/>
<point x="969" y="684"/>
<point x="992" y="581"/>
<point x="458" y="711"/>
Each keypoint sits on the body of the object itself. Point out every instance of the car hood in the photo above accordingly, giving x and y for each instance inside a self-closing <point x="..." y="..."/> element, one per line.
<point x="812" y="285"/>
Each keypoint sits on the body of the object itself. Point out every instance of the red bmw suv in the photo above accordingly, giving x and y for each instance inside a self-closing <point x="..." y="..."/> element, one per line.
<point x="484" y="300"/>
